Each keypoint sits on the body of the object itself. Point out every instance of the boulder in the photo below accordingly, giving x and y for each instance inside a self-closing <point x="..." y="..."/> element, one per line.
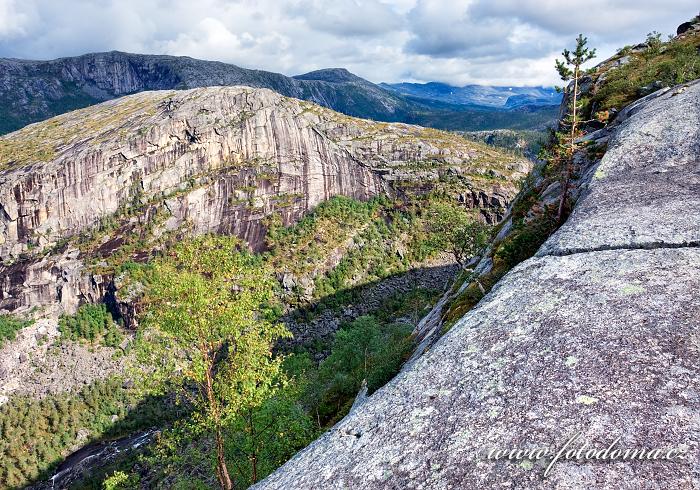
<point x="684" y="27"/>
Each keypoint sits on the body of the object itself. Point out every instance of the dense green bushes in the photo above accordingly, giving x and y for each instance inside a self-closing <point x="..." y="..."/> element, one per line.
<point x="9" y="326"/>
<point x="525" y="239"/>
<point x="92" y="323"/>
<point x="364" y="350"/>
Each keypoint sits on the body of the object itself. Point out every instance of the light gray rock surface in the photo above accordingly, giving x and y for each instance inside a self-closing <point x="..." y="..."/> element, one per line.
<point x="645" y="192"/>
<point x="37" y="363"/>
<point x="579" y="339"/>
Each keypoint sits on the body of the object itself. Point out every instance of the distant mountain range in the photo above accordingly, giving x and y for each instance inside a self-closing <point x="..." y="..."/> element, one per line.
<point x="479" y="95"/>
<point x="31" y="91"/>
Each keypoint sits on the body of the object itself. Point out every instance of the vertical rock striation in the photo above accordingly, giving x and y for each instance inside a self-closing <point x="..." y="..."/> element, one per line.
<point x="217" y="159"/>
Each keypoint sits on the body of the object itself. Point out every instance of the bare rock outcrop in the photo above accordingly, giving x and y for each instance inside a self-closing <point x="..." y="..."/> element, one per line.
<point x="216" y="159"/>
<point x="597" y="337"/>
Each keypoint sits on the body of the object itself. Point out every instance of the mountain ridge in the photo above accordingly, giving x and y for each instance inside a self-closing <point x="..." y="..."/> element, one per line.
<point x="32" y="91"/>
<point x="479" y="95"/>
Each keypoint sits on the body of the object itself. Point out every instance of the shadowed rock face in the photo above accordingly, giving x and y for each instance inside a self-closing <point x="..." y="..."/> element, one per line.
<point x="214" y="159"/>
<point x="599" y="334"/>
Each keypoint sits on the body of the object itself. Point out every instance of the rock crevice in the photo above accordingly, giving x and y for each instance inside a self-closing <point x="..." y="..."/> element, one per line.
<point x="636" y="246"/>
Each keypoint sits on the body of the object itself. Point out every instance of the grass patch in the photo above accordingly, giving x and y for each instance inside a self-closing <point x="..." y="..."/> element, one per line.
<point x="671" y="63"/>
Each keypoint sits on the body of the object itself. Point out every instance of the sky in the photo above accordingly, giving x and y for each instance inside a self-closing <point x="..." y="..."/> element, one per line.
<point x="489" y="42"/>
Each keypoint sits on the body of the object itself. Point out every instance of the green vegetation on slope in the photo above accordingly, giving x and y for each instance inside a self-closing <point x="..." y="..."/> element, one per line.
<point x="317" y="384"/>
<point x="92" y="323"/>
<point x="669" y="63"/>
<point x="310" y="397"/>
<point x="35" y="435"/>
<point x="313" y="397"/>
<point x="9" y="326"/>
<point x="345" y="243"/>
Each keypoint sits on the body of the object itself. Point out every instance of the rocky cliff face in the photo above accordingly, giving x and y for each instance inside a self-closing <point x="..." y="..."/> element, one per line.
<point x="597" y="335"/>
<point x="163" y="163"/>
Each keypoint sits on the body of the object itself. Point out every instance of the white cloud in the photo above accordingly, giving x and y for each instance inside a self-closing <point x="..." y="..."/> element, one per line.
<point x="506" y="42"/>
<point x="13" y="20"/>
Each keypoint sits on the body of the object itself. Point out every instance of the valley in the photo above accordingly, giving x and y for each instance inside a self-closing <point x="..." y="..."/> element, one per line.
<point x="339" y="208"/>
<point x="216" y="277"/>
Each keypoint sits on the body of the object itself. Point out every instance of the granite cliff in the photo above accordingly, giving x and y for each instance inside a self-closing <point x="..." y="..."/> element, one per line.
<point x="78" y="187"/>
<point x="596" y="335"/>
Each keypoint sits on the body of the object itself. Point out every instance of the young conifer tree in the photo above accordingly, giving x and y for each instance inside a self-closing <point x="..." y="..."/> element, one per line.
<point x="570" y="70"/>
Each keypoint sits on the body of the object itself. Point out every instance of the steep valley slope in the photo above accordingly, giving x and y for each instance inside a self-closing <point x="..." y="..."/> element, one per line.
<point x="85" y="194"/>
<point x="595" y="338"/>
<point x="206" y="160"/>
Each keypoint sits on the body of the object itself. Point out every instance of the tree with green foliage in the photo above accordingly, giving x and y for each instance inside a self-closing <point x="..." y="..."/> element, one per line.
<point x="269" y="435"/>
<point x="364" y="350"/>
<point x="570" y="70"/>
<point x="456" y="230"/>
<point x="207" y="304"/>
<point x="120" y="480"/>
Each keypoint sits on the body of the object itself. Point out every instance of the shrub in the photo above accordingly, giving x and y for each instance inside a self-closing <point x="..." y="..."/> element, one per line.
<point x="9" y="326"/>
<point x="121" y="481"/>
<point x="363" y="350"/>
<point x="524" y="241"/>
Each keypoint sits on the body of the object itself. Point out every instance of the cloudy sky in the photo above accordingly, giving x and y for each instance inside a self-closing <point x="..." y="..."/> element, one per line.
<point x="497" y="42"/>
